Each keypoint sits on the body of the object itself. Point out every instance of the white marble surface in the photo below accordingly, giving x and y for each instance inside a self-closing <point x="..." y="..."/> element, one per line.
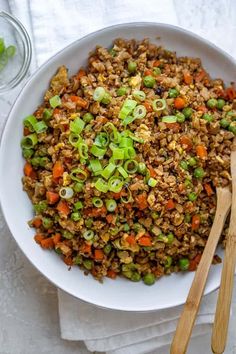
<point x="28" y="303"/>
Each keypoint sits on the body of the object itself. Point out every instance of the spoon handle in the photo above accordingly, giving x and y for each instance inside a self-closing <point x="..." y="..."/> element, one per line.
<point x="187" y="319"/>
<point x="220" y="327"/>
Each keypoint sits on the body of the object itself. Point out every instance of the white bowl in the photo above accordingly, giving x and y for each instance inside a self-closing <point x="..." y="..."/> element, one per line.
<point x="119" y="294"/>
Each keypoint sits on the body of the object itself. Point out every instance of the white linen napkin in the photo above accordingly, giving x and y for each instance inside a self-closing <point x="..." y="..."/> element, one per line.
<point x="53" y="25"/>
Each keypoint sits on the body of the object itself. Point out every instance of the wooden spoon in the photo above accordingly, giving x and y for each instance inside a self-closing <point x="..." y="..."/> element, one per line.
<point x="220" y="326"/>
<point x="190" y="310"/>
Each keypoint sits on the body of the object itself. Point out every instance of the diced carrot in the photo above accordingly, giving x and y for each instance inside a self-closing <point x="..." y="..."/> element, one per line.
<point x="110" y="219"/>
<point x="131" y="240"/>
<point x="95" y="212"/>
<point x="208" y="189"/>
<point x="230" y="93"/>
<point x="50" y="231"/>
<point x="128" y="206"/>
<point x="148" y="72"/>
<point x="188" y="79"/>
<point x="57" y="170"/>
<point x="156" y="63"/>
<point x="202" y="109"/>
<point x="86" y="248"/>
<point x="173" y="126"/>
<point x="122" y="193"/>
<point x="201" y="151"/>
<point x="98" y="255"/>
<point x="52" y="197"/>
<point x="56" y="111"/>
<point x="141" y="200"/>
<point x="148" y="106"/>
<point x="56" y="238"/>
<point x="186" y="142"/>
<point x="26" y="131"/>
<point x="29" y="171"/>
<point x="170" y="204"/>
<point x="152" y="171"/>
<point x="37" y="222"/>
<point x="196" y="220"/>
<point x="79" y="101"/>
<point x="111" y="274"/>
<point x="38" y="238"/>
<point x="47" y="243"/>
<point x="80" y="74"/>
<point x="200" y="75"/>
<point x="145" y="241"/>
<point x="179" y="103"/>
<point x="194" y="263"/>
<point x="63" y="207"/>
<point x="68" y="261"/>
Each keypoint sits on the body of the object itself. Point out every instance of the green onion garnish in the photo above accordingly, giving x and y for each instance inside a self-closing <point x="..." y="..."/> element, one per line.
<point x="118" y="153"/>
<point x="75" y="139"/>
<point x="115" y="184"/>
<point x="102" y="140"/>
<point x="55" y="101"/>
<point x="97" y="202"/>
<point x="142" y="168"/>
<point x="159" y="104"/>
<point x="127" y="108"/>
<point x="83" y="151"/>
<point x="98" y="94"/>
<point x="40" y="127"/>
<point x="66" y="192"/>
<point x="101" y="185"/>
<point x="108" y="170"/>
<point x="79" y="175"/>
<point x="95" y="166"/>
<point x="131" y="166"/>
<point x="29" y="141"/>
<point x="77" y="125"/>
<point x="139" y="112"/>
<point x="169" y="119"/>
<point x="78" y="205"/>
<point x="152" y="182"/>
<point x="29" y="122"/>
<point x="122" y="171"/>
<point x="129" y="152"/>
<point x="97" y="151"/>
<point x="111" y="205"/>
<point x="88" y="235"/>
<point x="139" y="95"/>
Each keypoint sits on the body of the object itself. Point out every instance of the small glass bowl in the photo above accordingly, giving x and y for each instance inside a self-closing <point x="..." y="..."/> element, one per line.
<point x="14" y="33"/>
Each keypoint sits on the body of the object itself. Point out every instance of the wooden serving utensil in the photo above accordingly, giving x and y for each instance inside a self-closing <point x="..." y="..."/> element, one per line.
<point x="190" y="310"/>
<point x="220" y="326"/>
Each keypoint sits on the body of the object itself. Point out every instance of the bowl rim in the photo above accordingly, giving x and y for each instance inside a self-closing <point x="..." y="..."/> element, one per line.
<point x="27" y="48"/>
<point x="6" y="127"/>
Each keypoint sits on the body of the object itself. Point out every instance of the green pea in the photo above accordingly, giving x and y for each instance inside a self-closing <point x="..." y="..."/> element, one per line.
<point x="212" y="103"/>
<point x="87" y="117"/>
<point x="121" y="91"/>
<point x="47" y="223"/>
<point x="154" y="215"/>
<point x="168" y="262"/>
<point x="224" y="123"/>
<point x="149" y="81"/>
<point x="157" y="71"/>
<point x="187" y="111"/>
<point x="231" y="114"/>
<point x="192" y="161"/>
<point x="184" y="165"/>
<point x="187" y="218"/>
<point x="88" y="264"/>
<point x="207" y="117"/>
<point x="220" y="103"/>
<point x="180" y="117"/>
<point x="232" y="128"/>
<point x="188" y="183"/>
<point x="35" y="161"/>
<point x="107" y="248"/>
<point x="78" y="260"/>
<point x="173" y="93"/>
<point x="170" y="237"/>
<point x="135" y="276"/>
<point x="198" y="172"/>
<point x="184" y="263"/>
<point x="40" y="207"/>
<point x="67" y="234"/>
<point x="76" y="216"/>
<point x="192" y="196"/>
<point x="132" y="67"/>
<point x="88" y="222"/>
<point x="149" y="279"/>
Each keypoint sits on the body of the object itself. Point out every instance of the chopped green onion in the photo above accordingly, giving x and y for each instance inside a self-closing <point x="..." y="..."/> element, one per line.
<point x="159" y="104"/>
<point x="139" y="95"/>
<point x="121" y="91"/>
<point x="168" y="262"/>
<point x="27" y="153"/>
<point x="40" y="207"/>
<point x="170" y="237"/>
<point x="106" y="98"/>
<point x="40" y="127"/>
<point x="112" y="130"/>
<point x="149" y="81"/>
<point x="127" y="199"/>
<point x="107" y="249"/>
<point x="30" y="122"/>
<point x="88" y="235"/>
<point x="232" y="128"/>
<point x="83" y="150"/>
<point x="192" y="196"/>
<point x="135" y="138"/>
<point x="29" y="141"/>
<point x="75" y="139"/>
<point x="97" y="202"/>
<point x="78" y="205"/>
<point x="102" y="140"/>
<point x="98" y="94"/>
<point x="88" y="222"/>
<point x="96" y="166"/>
<point x="131" y="166"/>
<point x="127" y="108"/>
<point x="101" y="185"/>
<point x="154" y="215"/>
<point x="67" y="234"/>
<point x="88" y="264"/>
<point x="126" y="142"/>
<point x="180" y="117"/>
<point x="128" y="120"/>
<point x="108" y="170"/>
<point x="169" y="119"/>
<point x="47" y="113"/>
<point x="139" y="112"/>
<point x="152" y="182"/>
<point x="77" y="125"/>
<point x="122" y="171"/>
<point x="47" y="223"/>
<point x="78" y="187"/>
<point x="142" y="168"/>
<point x="96" y="151"/>
<point x="87" y="117"/>
<point x="129" y="152"/>
<point x="76" y="216"/>
<point x="66" y="192"/>
<point x="118" y="154"/>
<point x="79" y="175"/>
<point x="55" y="101"/>
<point x="132" y="67"/>
<point x="111" y="205"/>
<point x="115" y="184"/>
<point x="126" y="227"/>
